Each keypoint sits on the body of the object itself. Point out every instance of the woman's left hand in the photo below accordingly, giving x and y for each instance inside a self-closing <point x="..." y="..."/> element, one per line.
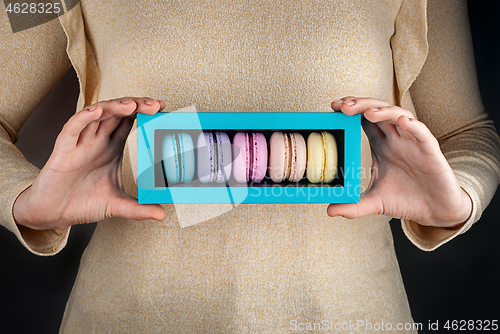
<point x="411" y="178"/>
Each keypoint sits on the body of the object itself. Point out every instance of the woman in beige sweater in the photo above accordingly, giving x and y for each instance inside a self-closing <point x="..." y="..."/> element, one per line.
<point x="255" y="268"/>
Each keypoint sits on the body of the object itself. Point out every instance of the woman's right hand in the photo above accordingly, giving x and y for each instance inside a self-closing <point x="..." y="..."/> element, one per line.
<point x="81" y="181"/>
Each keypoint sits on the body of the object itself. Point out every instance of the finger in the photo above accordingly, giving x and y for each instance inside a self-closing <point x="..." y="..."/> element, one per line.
<point x="421" y="134"/>
<point x="162" y="105"/>
<point x="372" y="131"/>
<point x="388" y="114"/>
<point x="88" y="133"/>
<point x="417" y="129"/>
<point x="338" y="103"/>
<point x="386" y="119"/>
<point x="388" y="129"/>
<point x="89" y="130"/>
<point x="404" y="133"/>
<point x="123" y="129"/>
<point x="118" y="107"/>
<point x="126" y="106"/>
<point x="149" y="106"/>
<point x="115" y="110"/>
<point x="129" y="208"/>
<point x="368" y="205"/>
<point x="357" y="105"/>
<point x="68" y="138"/>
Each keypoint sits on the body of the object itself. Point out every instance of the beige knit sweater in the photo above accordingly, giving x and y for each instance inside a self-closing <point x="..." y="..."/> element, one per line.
<point x="249" y="268"/>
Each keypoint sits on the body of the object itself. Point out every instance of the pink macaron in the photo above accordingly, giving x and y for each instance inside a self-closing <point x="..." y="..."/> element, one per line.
<point x="250" y="157"/>
<point x="287" y="157"/>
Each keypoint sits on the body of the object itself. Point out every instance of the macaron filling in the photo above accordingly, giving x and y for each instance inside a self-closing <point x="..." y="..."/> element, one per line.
<point x="176" y="156"/>
<point x="325" y="156"/>
<point x="178" y="160"/>
<point x="258" y="157"/>
<point x="286" y="160"/>
<point x="220" y="158"/>
<point x="213" y="157"/>
<point x="186" y="157"/>
<point x="321" y="157"/>
<point x="287" y="157"/>
<point x="293" y="158"/>
<point x="253" y="155"/>
<point x="214" y="153"/>
<point x="248" y="156"/>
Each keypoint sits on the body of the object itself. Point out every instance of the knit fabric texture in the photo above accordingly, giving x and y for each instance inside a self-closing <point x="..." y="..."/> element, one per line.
<point x="248" y="268"/>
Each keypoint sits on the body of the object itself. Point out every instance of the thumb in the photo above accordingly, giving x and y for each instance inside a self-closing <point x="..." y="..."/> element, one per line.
<point x="128" y="207"/>
<point x="368" y="205"/>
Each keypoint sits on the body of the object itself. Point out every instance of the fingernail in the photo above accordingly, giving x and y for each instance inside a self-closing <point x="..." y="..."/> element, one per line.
<point x="125" y="101"/>
<point x="351" y="103"/>
<point x="148" y="102"/>
<point x="91" y="108"/>
<point x="375" y="109"/>
<point x="339" y="101"/>
<point x="408" y="118"/>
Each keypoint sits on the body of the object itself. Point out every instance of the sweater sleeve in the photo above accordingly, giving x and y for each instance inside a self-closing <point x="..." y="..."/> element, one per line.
<point x="446" y="98"/>
<point x="33" y="61"/>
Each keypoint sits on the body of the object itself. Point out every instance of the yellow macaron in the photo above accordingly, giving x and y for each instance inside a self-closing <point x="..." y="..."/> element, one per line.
<point x="321" y="157"/>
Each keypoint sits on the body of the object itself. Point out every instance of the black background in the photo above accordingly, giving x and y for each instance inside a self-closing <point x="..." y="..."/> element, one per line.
<point x="458" y="281"/>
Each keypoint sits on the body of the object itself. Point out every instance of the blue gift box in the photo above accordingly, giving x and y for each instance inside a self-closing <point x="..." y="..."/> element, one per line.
<point x="153" y="189"/>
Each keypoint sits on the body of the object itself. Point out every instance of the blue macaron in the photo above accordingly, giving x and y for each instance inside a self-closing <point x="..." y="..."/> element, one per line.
<point x="178" y="158"/>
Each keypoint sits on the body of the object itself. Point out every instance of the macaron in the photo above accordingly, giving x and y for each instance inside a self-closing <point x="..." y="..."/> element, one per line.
<point x="287" y="157"/>
<point x="214" y="157"/>
<point x="250" y="157"/>
<point x="321" y="157"/>
<point x="178" y="158"/>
